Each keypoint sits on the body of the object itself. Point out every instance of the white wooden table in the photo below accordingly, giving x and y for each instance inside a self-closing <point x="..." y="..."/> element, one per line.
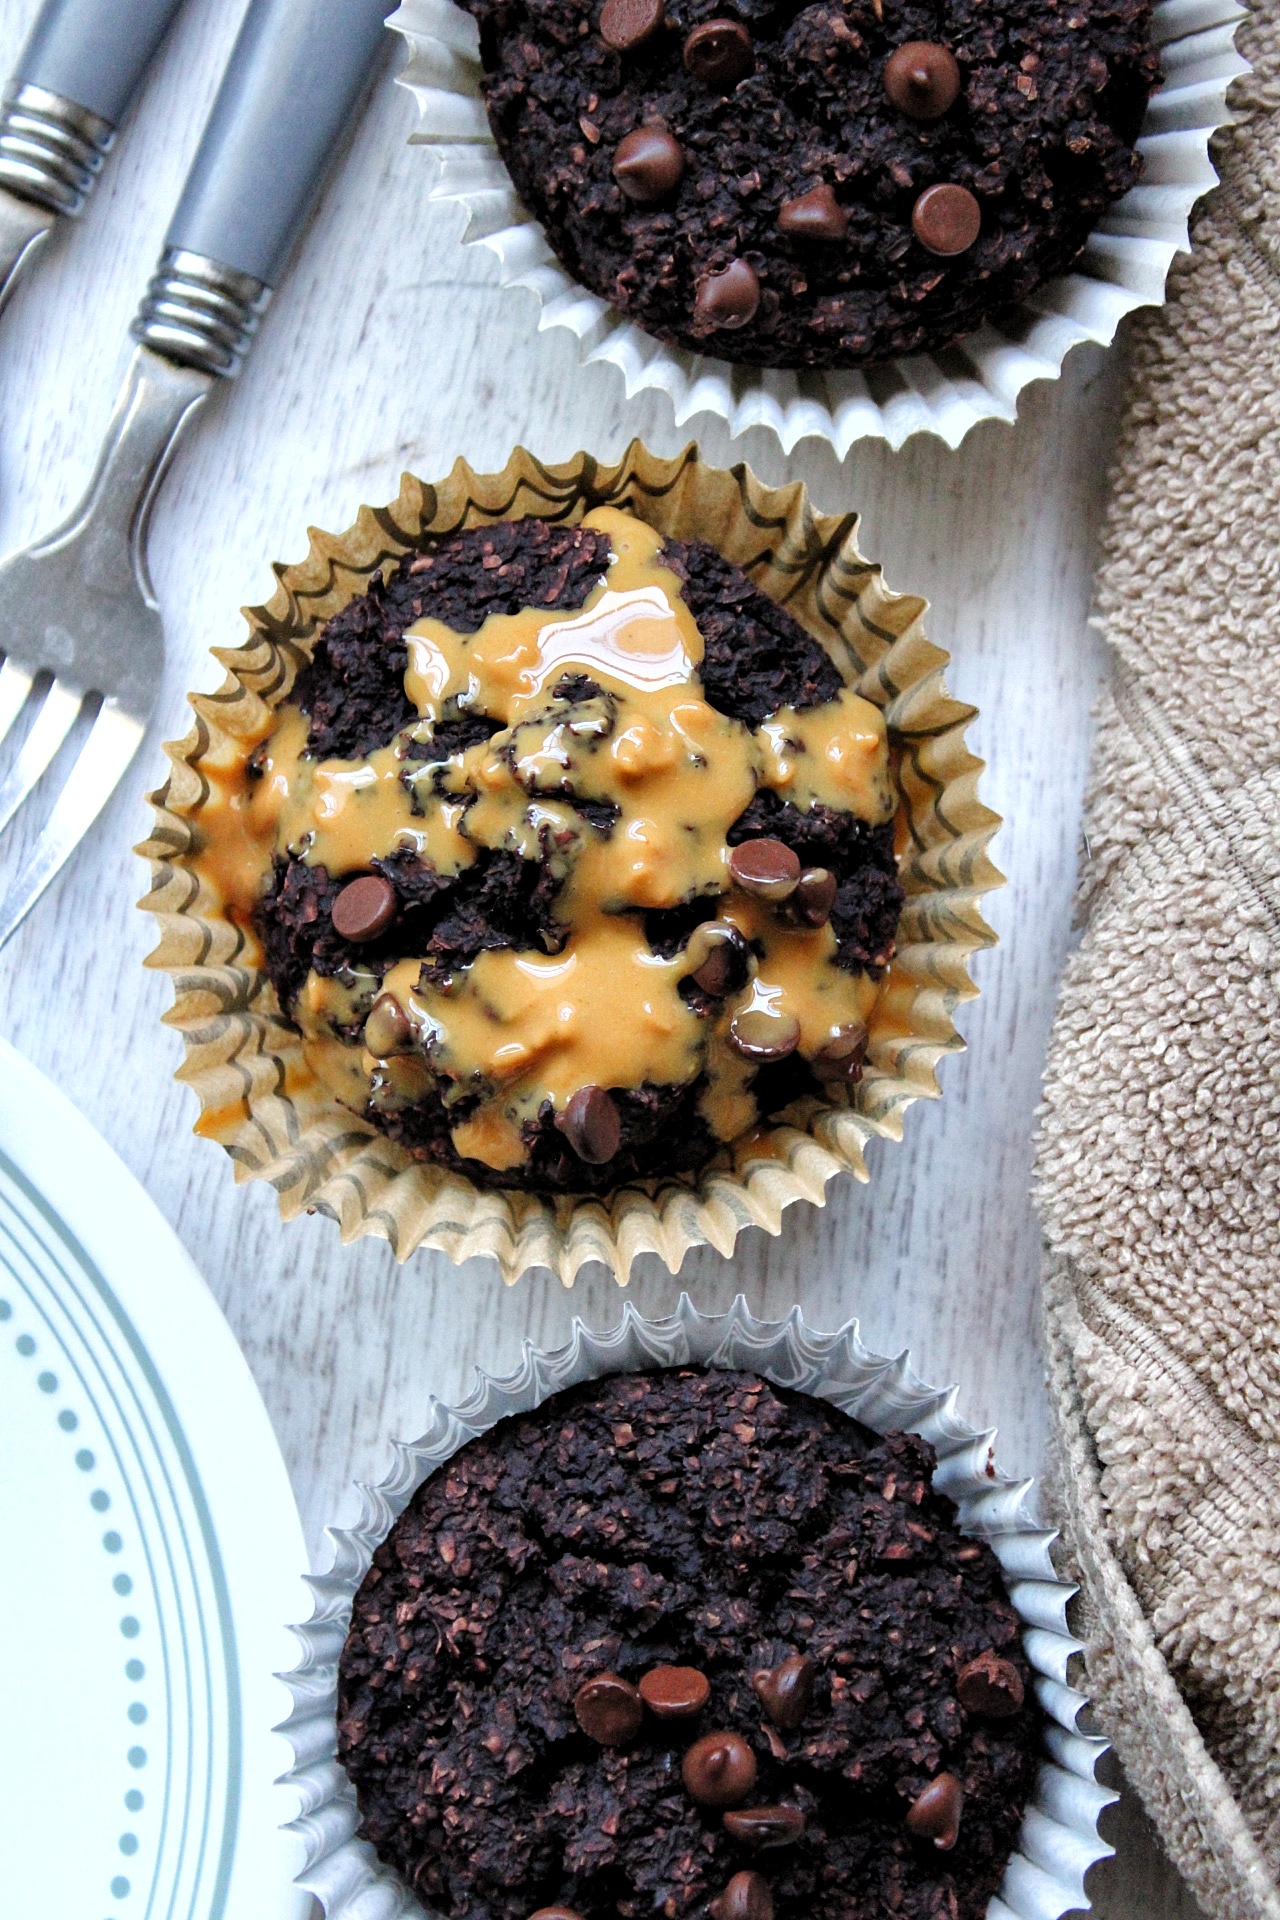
<point x="389" y="346"/>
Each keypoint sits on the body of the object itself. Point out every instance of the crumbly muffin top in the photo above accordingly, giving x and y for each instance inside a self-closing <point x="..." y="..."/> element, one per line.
<point x="824" y="185"/>
<point x="688" y="1644"/>
<point x="570" y="854"/>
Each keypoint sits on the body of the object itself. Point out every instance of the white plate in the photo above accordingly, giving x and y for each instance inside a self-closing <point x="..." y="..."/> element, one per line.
<point x="150" y="1561"/>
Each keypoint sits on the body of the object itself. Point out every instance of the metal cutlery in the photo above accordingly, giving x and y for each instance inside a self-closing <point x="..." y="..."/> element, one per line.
<point x="71" y="88"/>
<point x="79" y="622"/>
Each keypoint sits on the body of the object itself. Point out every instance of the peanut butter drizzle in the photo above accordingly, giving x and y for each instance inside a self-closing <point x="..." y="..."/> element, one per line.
<point x="519" y="1028"/>
<point x="335" y="814"/>
<point x="833" y="754"/>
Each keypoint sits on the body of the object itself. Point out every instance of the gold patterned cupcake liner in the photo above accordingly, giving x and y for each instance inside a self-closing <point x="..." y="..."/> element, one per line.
<point x="258" y="1097"/>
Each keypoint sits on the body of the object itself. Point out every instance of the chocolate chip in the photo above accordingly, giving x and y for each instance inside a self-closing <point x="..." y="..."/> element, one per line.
<point x="946" y="219"/>
<point x="843" y="1055"/>
<point x="718" y="958"/>
<point x="747" y="1897"/>
<point x="727" y="299"/>
<point x="675" y="1693"/>
<point x="816" y="215"/>
<point x="766" y="868"/>
<point x="814" y="897"/>
<point x="625" y="24"/>
<point x="765" y="1826"/>
<point x="786" y="1691"/>
<point x="922" y="79"/>
<point x="592" y="1125"/>
<point x="365" y="908"/>
<point x="762" y="1036"/>
<point x="648" y="165"/>
<point x="935" y="1813"/>
<point x="609" y="1709"/>
<point x="990" y="1686"/>
<point x="387" y="1030"/>
<point x="719" y="53"/>
<point x="719" y="1770"/>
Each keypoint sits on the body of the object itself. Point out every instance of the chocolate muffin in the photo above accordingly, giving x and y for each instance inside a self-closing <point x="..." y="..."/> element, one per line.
<point x="570" y="854"/>
<point x="688" y="1644"/>
<point x="824" y="185"/>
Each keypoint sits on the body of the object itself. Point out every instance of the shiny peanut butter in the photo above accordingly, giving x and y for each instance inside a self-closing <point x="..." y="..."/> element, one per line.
<point x="603" y="705"/>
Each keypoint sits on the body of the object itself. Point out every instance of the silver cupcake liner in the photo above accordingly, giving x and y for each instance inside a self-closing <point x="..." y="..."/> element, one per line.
<point x="1059" y="1839"/>
<point x="1124" y="265"/>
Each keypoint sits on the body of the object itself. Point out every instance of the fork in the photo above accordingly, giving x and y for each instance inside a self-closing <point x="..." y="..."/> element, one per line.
<point x="80" y="627"/>
<point x="75" y="77"/>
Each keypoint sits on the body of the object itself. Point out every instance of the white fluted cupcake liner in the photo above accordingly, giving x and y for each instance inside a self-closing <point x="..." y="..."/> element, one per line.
<point x="1059" y="1839"/>
<point x="1124" y="265"/>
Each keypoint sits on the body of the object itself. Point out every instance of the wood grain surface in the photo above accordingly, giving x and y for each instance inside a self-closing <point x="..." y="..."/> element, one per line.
<point x="390" y="346"/>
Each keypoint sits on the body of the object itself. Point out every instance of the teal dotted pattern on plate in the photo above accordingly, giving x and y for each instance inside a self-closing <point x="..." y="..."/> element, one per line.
<point x="90" y="1378"/>
<point x="99" y="1501"/>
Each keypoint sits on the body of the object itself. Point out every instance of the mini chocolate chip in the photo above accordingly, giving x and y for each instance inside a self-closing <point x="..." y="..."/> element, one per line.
<point x="365" y="908"/>
<point x="747" y="1897"/>
<point x="625" y="24"/>
<point x="935" y="1813"/>
<point x="727" y="299"/>
<point x="766" y="868"/>
<point x="675" y="1693"/>
<point x="717" y="972"/>
<point x="719" y="53"/>
<point x="946" y="219"/>
<point x="922" y="79"/>
<point x="718" y="958"/>
<point x="387" y="1030"/>
<point x="648" y="164"/>
<point x="609" y="1709"/>
<point x="843" y="1055"/>
<point x="592" y="1125"/>
<point x="786" y="1691"/>
<point x="990" y="1686"/>
<point x="765" y="1826"/>
<point x="719" y="1770"/>
<point x="762" y="1036"/>
<point x="814" y="897"/>
<point x="816" y="215"/>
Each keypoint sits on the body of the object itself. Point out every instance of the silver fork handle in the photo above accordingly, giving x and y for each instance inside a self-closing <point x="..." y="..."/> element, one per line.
<point x="156" y="402"/>
<point x="73" y="84"/>
<point x="51" y="149"/>
<point x="200" y="314"/>
<point x="71" y="88"/>
<point x="296" y="73"/>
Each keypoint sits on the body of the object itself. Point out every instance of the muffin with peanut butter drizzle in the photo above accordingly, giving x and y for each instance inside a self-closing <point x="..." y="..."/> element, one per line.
<point x="570" y="855"/>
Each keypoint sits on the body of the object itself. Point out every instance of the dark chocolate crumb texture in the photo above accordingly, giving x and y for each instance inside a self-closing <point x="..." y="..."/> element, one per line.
<point x="687" y="1644"/>
<point x="570" y="855"/>
<point x="831" y="185"/>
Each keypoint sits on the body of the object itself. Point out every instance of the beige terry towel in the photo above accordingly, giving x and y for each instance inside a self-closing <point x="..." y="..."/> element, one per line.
<point x="1159" y="1159"/>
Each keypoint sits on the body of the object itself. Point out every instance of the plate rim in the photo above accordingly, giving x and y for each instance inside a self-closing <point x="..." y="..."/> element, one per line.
<point x="202" y="1388"/>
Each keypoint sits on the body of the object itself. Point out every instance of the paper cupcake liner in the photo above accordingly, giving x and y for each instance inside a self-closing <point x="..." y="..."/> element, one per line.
<point x="1124" y="264"/>
<point x="259" y="1098"/>
<point x="1059" y="1840"/>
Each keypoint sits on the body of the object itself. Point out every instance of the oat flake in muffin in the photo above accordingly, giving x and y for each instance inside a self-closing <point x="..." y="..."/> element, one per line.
<point x="570" y="854"/>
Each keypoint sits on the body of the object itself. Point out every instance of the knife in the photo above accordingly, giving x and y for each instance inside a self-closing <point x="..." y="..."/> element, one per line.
<point x="72" y="86"/>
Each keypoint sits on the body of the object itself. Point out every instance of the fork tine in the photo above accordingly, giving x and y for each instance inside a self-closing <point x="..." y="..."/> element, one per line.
<point x="15" y="685"/>
<point x="111" y="745"/>
<point x="48" y="731"/>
